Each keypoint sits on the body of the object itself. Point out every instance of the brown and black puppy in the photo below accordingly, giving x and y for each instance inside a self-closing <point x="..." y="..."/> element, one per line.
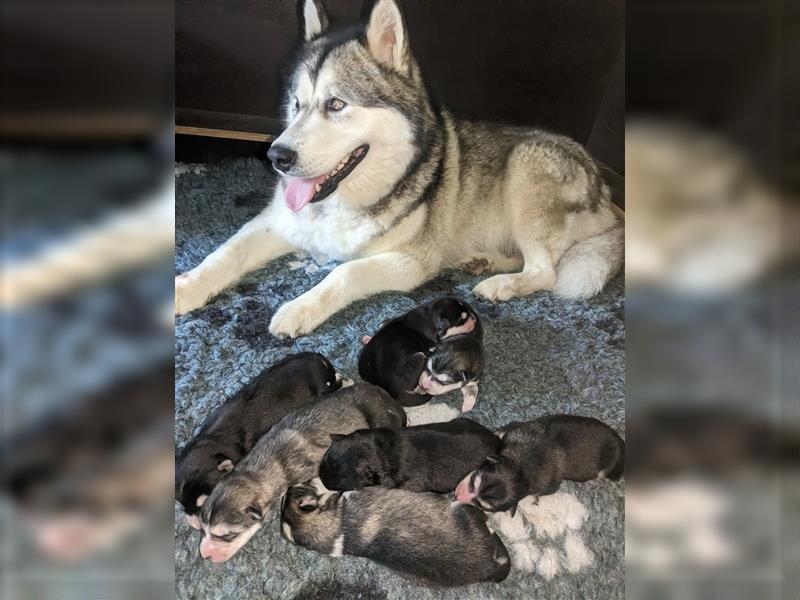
<point x="427" y="458"/>
<point x="288" y="454"/>
<point x="232" y="430"/>
<point x="395" y="357"/>
<point x="423" y="536"/>
<point x="536" y="456"/>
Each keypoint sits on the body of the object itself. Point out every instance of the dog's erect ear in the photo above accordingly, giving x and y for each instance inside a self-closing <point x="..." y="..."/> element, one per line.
<point x="513" y="511"/>
<point x="314" y="21"/>
<point x="335" y="437"/>
<point x="386" y="36"/>
<point x="226" y="466"/>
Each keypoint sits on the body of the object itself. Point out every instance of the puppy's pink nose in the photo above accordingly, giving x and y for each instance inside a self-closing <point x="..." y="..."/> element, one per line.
<point x="462" y="493"/>
<point x="205" y="551"/>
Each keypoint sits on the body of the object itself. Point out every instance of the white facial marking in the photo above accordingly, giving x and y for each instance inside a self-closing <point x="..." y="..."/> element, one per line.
<point x="338" y="546"/>
<point x="218" y="551"/>
<point x="287" y="531"/>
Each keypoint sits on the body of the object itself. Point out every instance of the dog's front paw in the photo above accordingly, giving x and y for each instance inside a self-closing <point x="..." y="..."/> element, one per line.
<point x="495" y="289"/>
<point x="296" y="318"/>
<point x="189" y="294"/>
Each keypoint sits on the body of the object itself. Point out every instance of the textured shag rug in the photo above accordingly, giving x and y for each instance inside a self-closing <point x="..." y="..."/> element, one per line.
<point x="544" y="355"/>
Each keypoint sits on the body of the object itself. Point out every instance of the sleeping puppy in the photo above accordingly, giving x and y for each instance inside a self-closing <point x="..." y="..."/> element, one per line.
<point x="425" y="537"/>
<point x="288" y="454"/>
<point x="536" y="456"/>
<point x="427" y="458"/>
<point x="234" y="428"/>
<point x="456" y="363"/>
<point x="396" y="355"/>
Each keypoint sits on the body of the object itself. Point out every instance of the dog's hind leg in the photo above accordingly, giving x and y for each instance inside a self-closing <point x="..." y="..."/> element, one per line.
<point x="535" y="224"/>
<point x="538" y="273"/>
<point x="251" y="247"/>
<point x="344" y="285"/>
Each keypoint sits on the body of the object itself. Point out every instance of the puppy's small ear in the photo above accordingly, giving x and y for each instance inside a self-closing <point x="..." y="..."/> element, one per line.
<point x="314" y="20"/>
<point x="513" y="511"/>
<point x="308" y="503"/>
<point x="254" y="512"/>
<point x="226" y="466"/>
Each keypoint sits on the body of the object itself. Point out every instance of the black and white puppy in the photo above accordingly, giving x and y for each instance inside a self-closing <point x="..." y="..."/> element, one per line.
<point x="423" y="536"/>
<point x="396" y="356"/>
<point x="536" y="456"/>
<point x="426" y="458"/>
<point x="288" y="454"/>
<point x="456" y="363"/>
<point x="232" y="430"/>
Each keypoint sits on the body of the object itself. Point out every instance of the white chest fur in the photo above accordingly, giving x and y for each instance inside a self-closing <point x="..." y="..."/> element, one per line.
<point x="332" y="230"/>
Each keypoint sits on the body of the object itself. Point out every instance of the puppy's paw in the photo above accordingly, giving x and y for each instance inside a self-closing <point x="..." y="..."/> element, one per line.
<point x="190" y="294"/>
<point x="296" y="318"/>
<point x="496" y="289"/>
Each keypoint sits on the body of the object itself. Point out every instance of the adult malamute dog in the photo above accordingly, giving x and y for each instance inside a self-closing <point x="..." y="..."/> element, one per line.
<point x="376" y="175"/>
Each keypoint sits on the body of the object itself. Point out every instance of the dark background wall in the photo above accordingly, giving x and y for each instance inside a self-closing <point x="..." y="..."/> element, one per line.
<point x="551" y="63"/>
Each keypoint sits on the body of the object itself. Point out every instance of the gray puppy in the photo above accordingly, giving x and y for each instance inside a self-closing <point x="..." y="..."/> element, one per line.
<point x="426" y="458"/>
<point x="536" y="456"/>
<point x="231" y="431"/>
<point x="289" y="454"/>
<point x="423" y="536"/>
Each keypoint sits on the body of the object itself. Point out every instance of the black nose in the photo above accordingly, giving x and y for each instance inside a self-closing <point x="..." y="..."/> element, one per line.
<point x="282" y="157"/>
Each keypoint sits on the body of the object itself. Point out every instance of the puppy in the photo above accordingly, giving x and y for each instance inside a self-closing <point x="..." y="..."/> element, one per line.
<point x="233" y="429"/>
<point x="427" y="458"/>
<point x="422" y="536"/>
<point x="396" y="355"/>
<point x="288" y="454"/>
<point x="536" y="456"/>
<point x="456" y="363"/>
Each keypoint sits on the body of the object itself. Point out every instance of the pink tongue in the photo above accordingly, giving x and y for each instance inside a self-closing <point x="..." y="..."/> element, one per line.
<point x="299" y="192"/>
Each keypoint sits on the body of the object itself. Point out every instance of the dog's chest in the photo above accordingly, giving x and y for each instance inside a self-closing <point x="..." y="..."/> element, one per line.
<point x="330" y="230"/>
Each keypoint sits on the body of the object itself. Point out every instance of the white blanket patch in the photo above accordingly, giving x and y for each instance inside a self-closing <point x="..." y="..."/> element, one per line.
<point x="544" y="537"/>
<point x="432" y="412"/>
<point x="553" y="514"/>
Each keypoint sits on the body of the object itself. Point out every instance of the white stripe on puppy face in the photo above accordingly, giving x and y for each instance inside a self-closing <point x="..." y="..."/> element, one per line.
<point x="338" y="546"/>
<point x="287" y="531"/>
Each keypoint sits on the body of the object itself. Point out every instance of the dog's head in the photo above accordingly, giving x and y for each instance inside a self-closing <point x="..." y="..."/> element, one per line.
<point x="355" y="108"/>
<point x="451" y="316"/>
<point x="198" y="468"/>
<point x="352" y="462"/>
<point x="454" y="363"/>
<point x="309" y="514"/>
<point x="231" y="515"/>
<point x="495" y="486"/>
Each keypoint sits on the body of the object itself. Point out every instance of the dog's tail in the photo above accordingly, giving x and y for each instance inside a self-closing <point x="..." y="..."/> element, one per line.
<point x="585" y="268"/>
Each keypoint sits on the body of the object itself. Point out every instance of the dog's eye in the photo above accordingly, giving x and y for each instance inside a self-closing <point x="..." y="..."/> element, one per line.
<point x="335" y="105"/>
